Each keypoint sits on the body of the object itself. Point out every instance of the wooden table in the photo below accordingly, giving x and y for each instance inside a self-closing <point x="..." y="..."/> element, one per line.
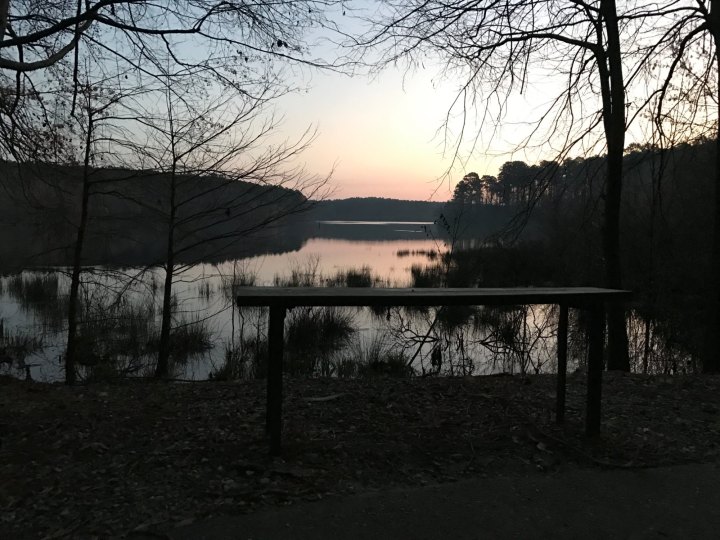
<point x="592" y="299"/>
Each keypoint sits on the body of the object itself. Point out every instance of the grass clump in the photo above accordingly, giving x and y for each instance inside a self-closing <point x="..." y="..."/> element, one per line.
<point x="241" y="277"/>
<point x="188" y="338"/>
<point x="34" y="289"/>
<point x="16" y="346"/>
<point x="112" y="339"/>
<point x="305" y="274"/>
<point x="377" y="357"/>
<point x="246" y="360"/>
<point x="354" y="277"/>
<point x="359" y="277"/>
<point x="41" y="293"/>
<point x="205" y="290"/>
<point x="392" y="364"/>
<point x="427" y="276"/>
<point x="313" y="336"/>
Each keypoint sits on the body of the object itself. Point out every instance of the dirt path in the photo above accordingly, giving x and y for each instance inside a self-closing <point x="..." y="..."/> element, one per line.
<point x="102" y="461"/>
<point x="670" y="502"/>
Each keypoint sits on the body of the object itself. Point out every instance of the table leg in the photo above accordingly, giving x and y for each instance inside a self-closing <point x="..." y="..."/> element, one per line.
<point x="562" y="337"/>
<point x="276" y="339"/>
<point x="595" y="368"/>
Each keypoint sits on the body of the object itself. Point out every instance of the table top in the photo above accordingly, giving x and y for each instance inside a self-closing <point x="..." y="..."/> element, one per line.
<point x="371" y="296"/>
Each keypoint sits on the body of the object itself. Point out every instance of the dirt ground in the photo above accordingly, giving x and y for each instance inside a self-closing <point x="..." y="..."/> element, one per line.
<point x="678" y="502"/>
<point x="105" y="461"/>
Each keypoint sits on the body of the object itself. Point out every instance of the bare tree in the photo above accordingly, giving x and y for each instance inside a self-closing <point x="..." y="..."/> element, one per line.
<point x="44" y="45"/>
<point x="686" y="106"/>
<point x="92" y="111"/>
<point x="593" y="53"/>
<point x="218" y="177"/>
<point x="57" y="57"/>
<point x="99" y="128"/>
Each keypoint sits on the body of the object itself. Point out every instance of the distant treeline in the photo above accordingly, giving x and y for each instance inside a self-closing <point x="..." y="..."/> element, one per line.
<point x="552" y="234"/>
<point x="129" y="211"/>
<point x="128" y="215"/>
<point x="530" y="201"/>
<point x="376" y="209"/>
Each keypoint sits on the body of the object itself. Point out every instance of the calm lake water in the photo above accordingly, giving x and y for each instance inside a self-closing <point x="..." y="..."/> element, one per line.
<point x="388" y="249"/>
<point x="123" y="305"/>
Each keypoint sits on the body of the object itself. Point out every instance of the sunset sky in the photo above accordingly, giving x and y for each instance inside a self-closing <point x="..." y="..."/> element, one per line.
<point x="384" y="134"/>
<point x="380" y="132"/>
<point x="380" y="136"/>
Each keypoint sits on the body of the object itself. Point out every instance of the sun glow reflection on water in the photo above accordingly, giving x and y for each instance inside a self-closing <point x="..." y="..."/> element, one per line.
<point x="389" y="260"/>
<point x="334" y="255"/>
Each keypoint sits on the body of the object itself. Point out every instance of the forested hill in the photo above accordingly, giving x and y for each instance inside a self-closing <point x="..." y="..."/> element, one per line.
<point x="129" y="213"/>
<point x="376" y="209"/>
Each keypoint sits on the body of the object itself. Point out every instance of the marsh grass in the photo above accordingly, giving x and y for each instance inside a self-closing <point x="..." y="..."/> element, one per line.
<point x="302" y="274"/>
<point x="189" y="337"/>
<point x="122" y="340"/>
<point x="308" y="274"/>
<point x="313" y="339"/>
<point x="375" y="357"/>
<point x="34" y="289"/>
<point x="313" y="336"/>
<point x="16" y="346"/>
<point x="41" y="294"/>
<point x="118" y="337"/>
<point x="427" y="276"/>
<point x="430" y="254"/>
<point x="112" y="339"/>
<point x="241" y="277"/>
<point x="205" y="290"/>
<point x="246" y="360"/>
<point x="233" y="366"/>
<point x="343" y="355"/>
<point x="454" y="317"/>
<point x="393" y="364"/>
<point x="356" y="277"/>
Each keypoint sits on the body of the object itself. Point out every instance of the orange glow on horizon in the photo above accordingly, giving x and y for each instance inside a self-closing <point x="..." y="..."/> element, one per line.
<point x="380" y="136"/>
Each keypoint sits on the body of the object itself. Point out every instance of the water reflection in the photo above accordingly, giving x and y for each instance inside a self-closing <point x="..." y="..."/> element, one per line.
<point x="121" y="307"/>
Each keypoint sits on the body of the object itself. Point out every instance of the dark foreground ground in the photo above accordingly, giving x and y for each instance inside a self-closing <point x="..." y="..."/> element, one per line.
<point x="666" y="502"/>
<point x="155" y="459"/>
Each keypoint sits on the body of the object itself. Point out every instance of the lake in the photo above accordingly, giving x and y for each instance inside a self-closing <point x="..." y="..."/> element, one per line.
<point x="330" y="248"/>
<point x="120" y="309"/>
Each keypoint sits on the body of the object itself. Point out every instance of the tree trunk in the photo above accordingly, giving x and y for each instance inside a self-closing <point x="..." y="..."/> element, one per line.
<point x="646" y="346"/>
<point x="710" y="356"/>
<point x="614" y="123"/>
<point x="163" y="364"/>
<point x="71" y="348"/>
<point x="4" y="12"/>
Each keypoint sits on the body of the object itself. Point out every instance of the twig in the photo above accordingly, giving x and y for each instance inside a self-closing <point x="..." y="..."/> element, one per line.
<point x="325" y="398"/>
